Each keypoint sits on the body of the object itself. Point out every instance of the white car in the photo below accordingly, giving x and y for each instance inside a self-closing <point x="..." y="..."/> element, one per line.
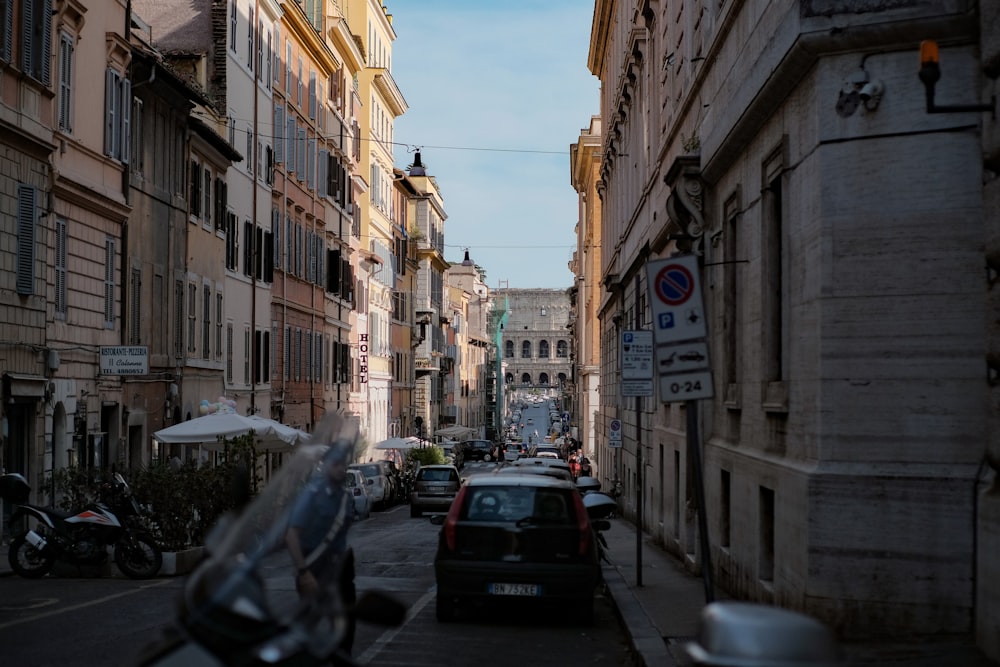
<point x="360" y="488"/>
<point x="379" y="486"/>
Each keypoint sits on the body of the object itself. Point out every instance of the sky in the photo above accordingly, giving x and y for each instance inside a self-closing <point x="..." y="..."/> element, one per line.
<point x="497" y="92"/>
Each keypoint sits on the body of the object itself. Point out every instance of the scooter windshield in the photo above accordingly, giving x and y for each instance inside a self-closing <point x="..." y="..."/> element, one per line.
<point x="245" y="595"/>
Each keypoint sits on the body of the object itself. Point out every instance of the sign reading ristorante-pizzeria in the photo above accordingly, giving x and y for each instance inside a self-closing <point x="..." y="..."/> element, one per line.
<point x="124" y="360"/>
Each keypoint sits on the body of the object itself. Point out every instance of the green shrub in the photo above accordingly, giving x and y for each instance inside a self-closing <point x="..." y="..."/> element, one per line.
<point x="181" y="502"/>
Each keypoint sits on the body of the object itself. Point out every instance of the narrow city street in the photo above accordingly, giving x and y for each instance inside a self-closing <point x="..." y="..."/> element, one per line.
<point x="74" y="622"/>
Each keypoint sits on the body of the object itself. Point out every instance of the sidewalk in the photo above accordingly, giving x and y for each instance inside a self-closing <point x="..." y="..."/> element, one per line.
<point x="663" y="614"/>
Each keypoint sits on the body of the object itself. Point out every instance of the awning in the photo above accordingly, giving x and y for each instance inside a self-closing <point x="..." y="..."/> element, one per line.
<point x="455" y="431"/>
<point x="29" y="386"/>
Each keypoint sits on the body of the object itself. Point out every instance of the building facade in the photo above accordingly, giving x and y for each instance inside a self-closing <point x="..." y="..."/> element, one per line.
<point x="587" y="293"/>
<point x="537" y="341"/>
<point x="849" y="446"/>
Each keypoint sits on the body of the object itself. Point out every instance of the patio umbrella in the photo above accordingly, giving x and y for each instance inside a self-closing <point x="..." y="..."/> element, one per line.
<point x="208" y="430"/>
<point x="398" y="443"/>
<point x="455" y="431"/>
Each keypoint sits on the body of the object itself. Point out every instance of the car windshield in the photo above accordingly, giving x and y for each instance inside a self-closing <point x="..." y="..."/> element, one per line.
<point x="370" y="470"/>
<point x="437" y="475"/>
<point x="517" y="503"/>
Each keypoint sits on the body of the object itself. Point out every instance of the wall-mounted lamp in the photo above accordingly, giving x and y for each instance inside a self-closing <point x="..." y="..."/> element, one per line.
<point x="930" y="72"/>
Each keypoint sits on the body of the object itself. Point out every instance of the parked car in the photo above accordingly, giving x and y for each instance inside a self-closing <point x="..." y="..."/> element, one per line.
<point x="517" y="537"/>
<point x="380" y="489"/>
<point x="477" y="450"/>
<point x="544" y="462"/>
<point x="360" y="488"/>
<point x="536" y="450"/>
<point x="434" y="488"/>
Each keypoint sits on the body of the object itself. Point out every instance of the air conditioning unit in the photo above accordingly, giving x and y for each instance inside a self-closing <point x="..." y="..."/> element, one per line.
<point x="349" y="208"/>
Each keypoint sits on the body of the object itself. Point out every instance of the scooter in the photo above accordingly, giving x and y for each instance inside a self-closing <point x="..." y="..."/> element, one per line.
<point x="80" y="537"/>
<point x="241" y="606"/>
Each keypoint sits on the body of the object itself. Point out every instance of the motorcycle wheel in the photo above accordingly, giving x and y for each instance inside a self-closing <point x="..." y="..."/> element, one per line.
<point x="26" y="560"/>
<point x="138" y="556"/>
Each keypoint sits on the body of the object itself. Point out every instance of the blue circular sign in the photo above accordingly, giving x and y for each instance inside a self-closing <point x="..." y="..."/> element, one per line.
<point x="674" y="284"/>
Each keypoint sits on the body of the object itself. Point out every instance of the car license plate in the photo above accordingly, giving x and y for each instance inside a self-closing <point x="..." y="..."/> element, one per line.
<point x="515" y="589"/>
<point x="435" y="489"/>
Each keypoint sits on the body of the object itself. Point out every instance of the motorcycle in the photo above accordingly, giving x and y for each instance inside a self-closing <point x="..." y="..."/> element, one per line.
<point x="80" y="537"/>
<point x="240" y="606"/>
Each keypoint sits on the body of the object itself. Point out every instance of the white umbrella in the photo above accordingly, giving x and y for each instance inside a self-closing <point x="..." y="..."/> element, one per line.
<point x="398" y="443"/>
<point x="208" y="430"/>
<point x="455" y="431"/>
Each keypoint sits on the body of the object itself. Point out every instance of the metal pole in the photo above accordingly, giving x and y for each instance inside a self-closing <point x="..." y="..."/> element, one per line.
<point x="694" y="453"/>
<point x="638" y="498"/>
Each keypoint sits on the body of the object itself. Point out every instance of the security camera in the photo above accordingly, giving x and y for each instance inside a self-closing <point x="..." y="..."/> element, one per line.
<point x="871" y="92"/>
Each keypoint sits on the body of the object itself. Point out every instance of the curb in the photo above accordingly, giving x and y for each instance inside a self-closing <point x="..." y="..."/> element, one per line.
<point x="644" y="639"/>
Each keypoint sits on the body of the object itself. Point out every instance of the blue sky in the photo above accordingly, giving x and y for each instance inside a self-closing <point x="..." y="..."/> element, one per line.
<point x="497" y="91"/>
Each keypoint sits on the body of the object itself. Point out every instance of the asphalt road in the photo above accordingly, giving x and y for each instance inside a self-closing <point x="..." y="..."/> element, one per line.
<point x="73" y="622"/>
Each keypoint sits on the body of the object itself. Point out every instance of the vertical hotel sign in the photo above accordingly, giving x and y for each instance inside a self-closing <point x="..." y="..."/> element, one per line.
<point x="363" y="357"/>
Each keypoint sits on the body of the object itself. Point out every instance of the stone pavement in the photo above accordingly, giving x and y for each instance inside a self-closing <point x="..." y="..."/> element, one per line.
<point x="663" y="614"/>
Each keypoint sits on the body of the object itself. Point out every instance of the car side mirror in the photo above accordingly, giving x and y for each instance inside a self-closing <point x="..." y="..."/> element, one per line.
<point x="438" y="519"/>
<point x="601" y="524"/>
<point x="370" y="482"/>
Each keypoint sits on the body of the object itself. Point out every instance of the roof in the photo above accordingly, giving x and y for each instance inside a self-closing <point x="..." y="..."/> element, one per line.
<point x="516" y="479"/>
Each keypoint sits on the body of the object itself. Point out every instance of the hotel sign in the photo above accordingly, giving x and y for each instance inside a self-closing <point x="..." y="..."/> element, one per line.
<point x="124" y="360"/>
<point x="363" y="356"/>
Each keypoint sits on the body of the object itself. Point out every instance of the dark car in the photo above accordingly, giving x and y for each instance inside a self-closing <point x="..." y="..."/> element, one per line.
<point x="517" y="537"/>
<point x="477" y="450"/>
<point x="434" y="488"/>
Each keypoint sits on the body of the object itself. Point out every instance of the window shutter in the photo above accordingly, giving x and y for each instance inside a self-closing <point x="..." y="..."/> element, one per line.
<point x="135" y="305"/>
<point x="8" y="30"/>
<point x="109" y="111"/>
<point x="312" y="95"/>
<point x="65" y="82"/>
<point x="324" y="170"/>
<point x="28" y="10"/>
<point x="60" y="305"/>
<point x="247" y="248"/>
<point x="179" y="319"/>
<point x="311" y="164"/>
<point x="125" y="143"/>
<point x="109" y="283"/>
<point x="26" y="239"/>
<point x="279" y="133"/>
<point x="290" y="126"/>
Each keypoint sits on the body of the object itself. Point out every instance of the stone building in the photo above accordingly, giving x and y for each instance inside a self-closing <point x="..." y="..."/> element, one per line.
<point x="850" y="448"/>
<point x="537" y="340"/>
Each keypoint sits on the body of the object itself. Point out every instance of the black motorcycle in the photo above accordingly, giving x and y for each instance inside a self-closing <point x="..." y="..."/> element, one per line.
<point x="80" y="537"/>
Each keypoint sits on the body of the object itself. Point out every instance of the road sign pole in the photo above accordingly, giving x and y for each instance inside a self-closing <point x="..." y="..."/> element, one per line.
<point x="638" y="498"/>
<point x="694" y="452"/>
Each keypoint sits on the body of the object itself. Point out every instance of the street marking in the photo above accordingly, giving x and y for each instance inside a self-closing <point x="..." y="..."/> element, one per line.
<point x="37" y="604"/>
<point x="82" y="605"/>
<point x="372" y="652"/>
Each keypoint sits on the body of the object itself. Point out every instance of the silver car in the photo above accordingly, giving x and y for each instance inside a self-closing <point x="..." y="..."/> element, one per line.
<point x="360" y="488"/>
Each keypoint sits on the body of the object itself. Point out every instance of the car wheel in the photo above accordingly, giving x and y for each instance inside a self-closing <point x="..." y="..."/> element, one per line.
<point x="487" y="458"/>
<point x="444" y="609"/>
<point x="415" y="512"/>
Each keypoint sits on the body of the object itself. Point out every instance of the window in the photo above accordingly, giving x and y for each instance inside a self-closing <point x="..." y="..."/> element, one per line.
<point x="543" y="349"/>
<point x="194" y="197"/>
<point x="66" y="82"/>
<point x="232" y="24"/>
<point x="7" y="29"/>
<point x="117" y="115"/>
<point x="109" y="282"/>
<point x="36" y="38"/>
<point x="192" y="316"/>
<point x="135" y="307"/>
<point x="26" y="215"/>
<point x="232" y="242"/>
<point x="279" y="133"/>
<point x="229" y="352"/>
<point x="508" y="349"/>
<point x="206" y="322"/>
<point x="562" y="349"/>
<point x="60" y="269"/>
<point x="312" y="94"/>
<point x="526" y="349"/>
<point x="219" y="314"/>
<point x="246" y="355"/>
<point x="179" y="319"/>
<point x="525" y="378"/>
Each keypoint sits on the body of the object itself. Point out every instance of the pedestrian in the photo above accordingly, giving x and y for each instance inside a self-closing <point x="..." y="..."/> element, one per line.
<point x="317" y="534"/>
<point x="585" y="469"/>
<point x="574" y="466"/>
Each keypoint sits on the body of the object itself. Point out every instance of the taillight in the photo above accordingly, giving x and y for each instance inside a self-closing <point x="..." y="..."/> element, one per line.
<point x="357" y="491"/>
<point x="582" y="524"/>
<point x="451" y="521"/>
